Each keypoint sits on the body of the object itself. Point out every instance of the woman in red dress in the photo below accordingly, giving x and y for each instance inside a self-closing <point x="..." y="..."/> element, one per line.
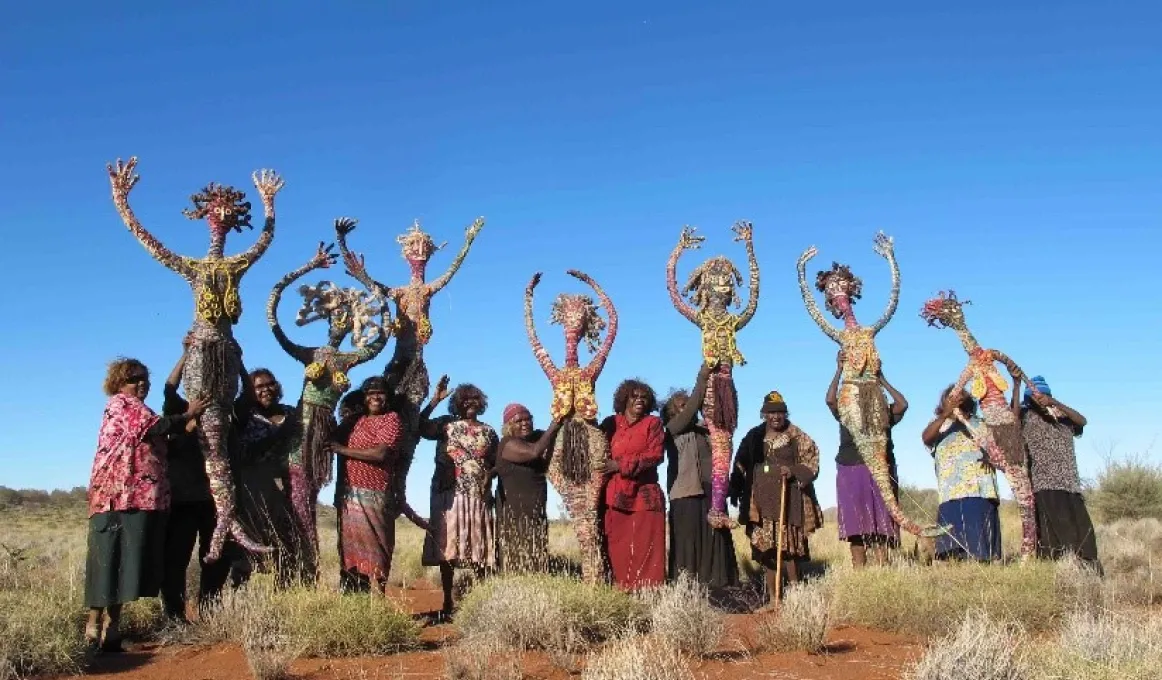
<point x="635" y="510"/>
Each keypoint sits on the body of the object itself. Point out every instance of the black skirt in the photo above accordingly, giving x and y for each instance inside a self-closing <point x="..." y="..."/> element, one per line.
<point x="1064" y="526"/>
<point x="707" y="554"/>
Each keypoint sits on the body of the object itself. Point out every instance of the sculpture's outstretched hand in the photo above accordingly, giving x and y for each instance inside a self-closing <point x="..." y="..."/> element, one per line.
<point x="884" y="245"/>
<point x="743" y="231"/>
<point x="123" y="176"/>
<point x="533" y="282"/>
<point x="807" y="255"/>
<point x="688" y="241"/>
<point x="268" y="184"/>
<point x="324" y="258"/>
<point x="474" y="228"/>
<point x="580" y="276"/>
<point x="345" y="225"/>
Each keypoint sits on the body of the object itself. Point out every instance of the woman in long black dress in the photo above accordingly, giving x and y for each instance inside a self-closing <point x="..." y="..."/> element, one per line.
<point x="705" y="553"/>
<point x="521" y="493"/>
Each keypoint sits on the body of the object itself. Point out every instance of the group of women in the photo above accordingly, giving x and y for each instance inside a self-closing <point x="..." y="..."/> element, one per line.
<point x="240" y="478"/>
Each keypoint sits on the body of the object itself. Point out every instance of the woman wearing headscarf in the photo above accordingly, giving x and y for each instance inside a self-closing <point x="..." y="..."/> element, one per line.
<point x="362" y="490"/>
<point x="965" y="482"/>
<point x="1049" y="428"/>
<point x="777" y="458"/>
<point x="129" y="496"/>
<point x="461" y="534"/>
<point x="635" y="510"/>
<point x="700" y="550"/>
<point x="522" y="525"/>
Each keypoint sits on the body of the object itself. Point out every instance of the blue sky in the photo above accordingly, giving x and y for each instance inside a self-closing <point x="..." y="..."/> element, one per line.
<point x="1015" y="154"/>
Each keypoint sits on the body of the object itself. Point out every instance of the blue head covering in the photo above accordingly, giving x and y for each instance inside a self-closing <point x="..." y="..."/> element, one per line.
<point x="1040" y="384"/>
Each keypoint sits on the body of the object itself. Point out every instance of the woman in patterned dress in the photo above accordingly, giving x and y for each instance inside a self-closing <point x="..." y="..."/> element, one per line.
<point x="129" y="497"/>
<point x="461" y="534"/>
<point x="366" y="461"/>
<point x="966" y="484"/>
<point x="774" y="456"/>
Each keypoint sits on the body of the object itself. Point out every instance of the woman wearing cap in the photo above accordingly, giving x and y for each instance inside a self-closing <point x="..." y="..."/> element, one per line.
<point x="774" y="458"/>
<point x="521" y="492"/>
<point x="1049" y="428"/>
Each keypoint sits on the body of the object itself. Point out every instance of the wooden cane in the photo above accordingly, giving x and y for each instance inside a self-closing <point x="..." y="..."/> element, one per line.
<point x="779" y="543"/>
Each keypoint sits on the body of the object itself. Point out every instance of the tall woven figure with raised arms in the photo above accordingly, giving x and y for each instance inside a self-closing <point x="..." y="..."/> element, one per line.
<point x="1000" y="433"/>
<point x="348" y="312"/>
<point x="712" y="288"/>
<point x="580" y="451"/>
<point x="214" y="360"/>
<point x="862" y="408"/>
<point x="406" y="373"/>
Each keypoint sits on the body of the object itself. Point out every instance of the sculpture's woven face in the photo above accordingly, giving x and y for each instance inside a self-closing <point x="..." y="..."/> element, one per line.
<point x="714" y="284"/>
<point x="417" y="247"/>
<point x="840" y="289"/>
<point x="945" y="311"/>
<point x="577" y="314"/>
<point x="223" y="207"/>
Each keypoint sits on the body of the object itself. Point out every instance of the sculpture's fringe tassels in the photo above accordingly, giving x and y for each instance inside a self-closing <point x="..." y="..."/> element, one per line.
<point x="872" y="407"/>
<point x="317" y="459"/>
<point x="575" y="454"/>
<point x="725" y="411"/>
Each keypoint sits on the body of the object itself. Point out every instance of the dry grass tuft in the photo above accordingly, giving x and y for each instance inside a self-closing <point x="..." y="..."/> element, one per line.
<point x="638" y="658"/>
<point x="680" y="614"/>
<point x="481" y="658"/>
<point x="1104" y="646"/>
<point x="801" y="621"/>
<point x="979" y="648"/>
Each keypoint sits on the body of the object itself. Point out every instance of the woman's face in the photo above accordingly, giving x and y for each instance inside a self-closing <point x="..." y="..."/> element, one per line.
<point x="265" y="390"/>
<point x="777" y="421"/>
<point x="678" y="403"/>
<point x="635" y="406"/>
<point x="136" y="383"/>
<point x="522" y="425"/>
<point x="470" y="404"/>
<point x="375" y="401"/>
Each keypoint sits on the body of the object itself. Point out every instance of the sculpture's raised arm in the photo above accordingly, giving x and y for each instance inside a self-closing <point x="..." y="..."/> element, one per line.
<point x="886" y="248"/>
<point x="268" y="184"/>
<point x="598" y="363"/>
<point x="539" y="351"/>
<point x="356" y="267"/>
<point x="323" y="258"/>
<point x="686" y="241"/>
<point x="743" y="231"/>
<point x="123" y="177"/>
<point x="470" y="236"/>
<point x="809" y="296"/>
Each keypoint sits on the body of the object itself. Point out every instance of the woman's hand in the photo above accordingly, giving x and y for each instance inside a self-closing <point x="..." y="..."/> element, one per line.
<point x="705" y="370"/>
<point x="611" y="466"/>
<point x="441" y="389"/>
<point x="195" y="407"/>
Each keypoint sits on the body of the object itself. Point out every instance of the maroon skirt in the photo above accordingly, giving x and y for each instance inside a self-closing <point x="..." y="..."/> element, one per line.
<point x="636" y="545"/>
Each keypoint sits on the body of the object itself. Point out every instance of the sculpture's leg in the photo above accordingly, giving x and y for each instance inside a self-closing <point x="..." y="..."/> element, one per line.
<point x="303" y="497"/>
<point x="873" y="449"/>
<point x="1018" y="478"/>
<point x="582" y="499"/>
<point x="721" y="419"/>
<point x="212" y="431"/>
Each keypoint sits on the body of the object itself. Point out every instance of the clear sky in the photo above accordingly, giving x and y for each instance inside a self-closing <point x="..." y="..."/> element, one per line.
<point x="1015" y="154"/>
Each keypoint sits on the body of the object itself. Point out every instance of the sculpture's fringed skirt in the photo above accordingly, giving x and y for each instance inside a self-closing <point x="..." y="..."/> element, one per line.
<point x="213" y="363"/>
<point x="580" y="489"/>
<point x="310" y="468"/>
<point x="1000" y="436"/>
<point x="720" y="404"/>
<point x="870" y="434"/>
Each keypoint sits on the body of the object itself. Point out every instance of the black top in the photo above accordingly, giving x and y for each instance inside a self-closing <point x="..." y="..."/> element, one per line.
<point x="522" y="485"/>
<point x="849" y="452"/>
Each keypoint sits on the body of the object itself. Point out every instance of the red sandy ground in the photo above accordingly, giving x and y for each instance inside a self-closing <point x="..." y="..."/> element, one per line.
<point x="853" y="654"/>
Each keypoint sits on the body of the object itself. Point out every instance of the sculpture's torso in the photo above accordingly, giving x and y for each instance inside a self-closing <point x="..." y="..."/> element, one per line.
<point x="719" y="332"/>
<point x="215" y="283"/>
<point x="573" y="388"/>
<point x="861" y="359"/>
<point x="326" y="378"/>
<point x="412" y="323"/>
<point x="987" y="385"/>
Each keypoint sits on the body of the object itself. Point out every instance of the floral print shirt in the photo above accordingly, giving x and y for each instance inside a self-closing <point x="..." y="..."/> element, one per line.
<point x="129" y="469"/>
<point x="960" y="470"/>
<point x="457" y="442"/>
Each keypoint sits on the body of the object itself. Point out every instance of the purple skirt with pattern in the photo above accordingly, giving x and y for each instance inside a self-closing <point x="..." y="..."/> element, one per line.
<point x="862" y="511"/>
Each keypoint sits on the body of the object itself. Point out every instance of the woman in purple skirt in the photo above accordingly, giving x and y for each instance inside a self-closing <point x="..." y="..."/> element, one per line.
<point x="864" y="521"/>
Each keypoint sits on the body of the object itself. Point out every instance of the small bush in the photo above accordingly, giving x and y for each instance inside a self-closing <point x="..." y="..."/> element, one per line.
<point x="481" y="658"/>
<point x="1104" y="646"/>
<point x="800" y="622"/>
<point x="681" y="615"/>
<point x="1131" y="554"/>
<point x="638" y="658"/>
<point x="978" y="649"/>
<point x="1128" y="489"/>
<point x="267" y="644"/>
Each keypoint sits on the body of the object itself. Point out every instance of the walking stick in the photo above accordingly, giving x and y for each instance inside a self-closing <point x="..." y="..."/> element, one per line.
<point x="779" y="543"/>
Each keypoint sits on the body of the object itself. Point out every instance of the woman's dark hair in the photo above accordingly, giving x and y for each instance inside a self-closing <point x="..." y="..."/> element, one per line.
<point x="353" y="401"/>
<point x="119" y="372"/>
<point x="266" y="372"/>
<point x="462" y="392"/>
<point x="375" y="383"/>
<point x="626" y="388"/>
<point x="967" y="404"/>
<point x="669" y="408"/>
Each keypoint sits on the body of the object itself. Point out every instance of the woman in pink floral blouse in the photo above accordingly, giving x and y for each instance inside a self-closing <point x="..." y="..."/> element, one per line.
<point x="128" y="498"/>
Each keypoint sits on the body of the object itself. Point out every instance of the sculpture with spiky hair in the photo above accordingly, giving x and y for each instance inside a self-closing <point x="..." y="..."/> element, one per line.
<point x="214" y="360"/>
<point x="580" y="449"/>
<point x="325" y="381"/>
<point x="1000" y="434"/>
<point x="712" y="289"/>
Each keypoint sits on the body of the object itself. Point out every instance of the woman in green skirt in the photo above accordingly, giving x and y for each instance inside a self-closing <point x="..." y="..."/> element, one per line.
<point x="128" y="498"/>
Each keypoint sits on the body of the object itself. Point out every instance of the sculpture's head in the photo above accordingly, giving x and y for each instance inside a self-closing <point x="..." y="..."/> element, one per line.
<point x="347" y="310"/>
<point x="580" y="319"/>
<point x="714" y="284"/>
<point x="223" y="207"/>
<point x="417" y="246"/>
<point x="840" y="288"/>
<point x="945" y="311"/>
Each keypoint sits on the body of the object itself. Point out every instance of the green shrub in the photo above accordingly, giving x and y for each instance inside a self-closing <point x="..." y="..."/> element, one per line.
<point x="1128" y="489"/>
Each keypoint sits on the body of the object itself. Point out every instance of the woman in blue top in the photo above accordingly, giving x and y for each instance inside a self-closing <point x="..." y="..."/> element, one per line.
<point x="966" y="483"/>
